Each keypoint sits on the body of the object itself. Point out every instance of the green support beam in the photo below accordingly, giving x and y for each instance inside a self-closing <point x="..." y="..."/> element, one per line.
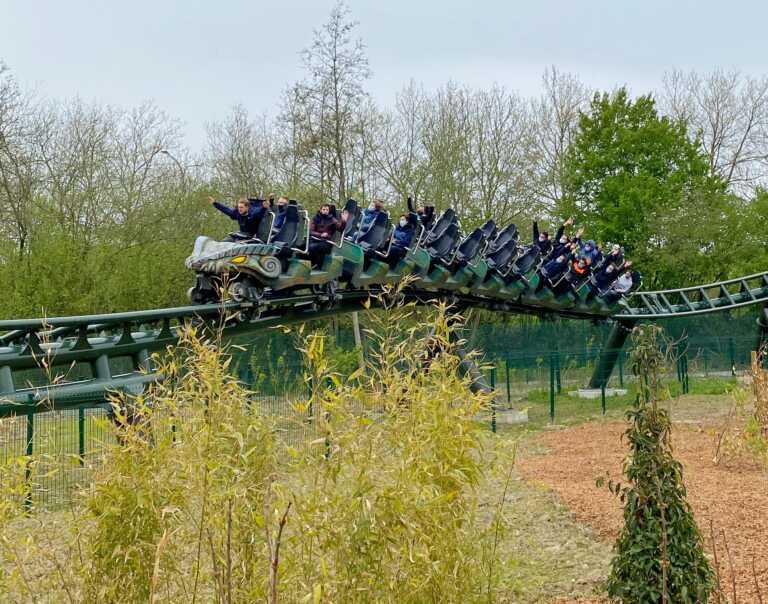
<point x="762" y="328"/>
<point x="610" y="353"/>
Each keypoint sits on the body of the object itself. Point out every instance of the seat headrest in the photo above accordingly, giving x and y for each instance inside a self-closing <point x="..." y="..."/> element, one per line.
<point x="291" y="213"/>
<point x="489" y="229"/>
<point x="471" y="244"/>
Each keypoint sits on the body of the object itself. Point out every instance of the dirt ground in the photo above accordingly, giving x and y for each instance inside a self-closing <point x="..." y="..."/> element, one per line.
<point x="730" y="499"/>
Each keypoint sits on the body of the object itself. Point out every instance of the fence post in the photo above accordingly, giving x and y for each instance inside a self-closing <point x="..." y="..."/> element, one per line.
<point x="81" y="435"/>
<point x="602" y="397"/>
<point x="557" y="372"/>
<point x="493" y="400"/>
<point x="29" y="450"/>
<point x="551" y="388"/>
<point x="621" y="369"/>
<point x="509" y="391"/>
<point x="310" y="408"/>
<point x="732" y="354"/>
<point x="706" y="362"/>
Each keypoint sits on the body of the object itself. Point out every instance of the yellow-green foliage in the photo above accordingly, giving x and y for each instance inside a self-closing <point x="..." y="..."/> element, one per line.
<point x="179" y="504"/>
<point x="384" y="506"/>
<point x="756" y="428"/>
<point x="13" y="492"/>
<point x="202" y="501"/>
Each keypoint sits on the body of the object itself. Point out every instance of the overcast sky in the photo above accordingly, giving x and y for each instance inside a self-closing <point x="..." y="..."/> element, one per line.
<point x="197" y="58"/>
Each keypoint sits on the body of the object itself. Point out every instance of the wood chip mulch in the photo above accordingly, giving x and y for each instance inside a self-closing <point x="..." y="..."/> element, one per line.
<point x="728" y="500"/>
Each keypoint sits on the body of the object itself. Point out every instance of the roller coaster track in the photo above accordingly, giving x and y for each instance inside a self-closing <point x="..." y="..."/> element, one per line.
<point x="59" y="344"/>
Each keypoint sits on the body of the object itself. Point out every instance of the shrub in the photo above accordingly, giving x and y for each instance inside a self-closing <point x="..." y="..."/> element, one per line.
<point x="659" y="554"/>
<point x="200" y="500"/>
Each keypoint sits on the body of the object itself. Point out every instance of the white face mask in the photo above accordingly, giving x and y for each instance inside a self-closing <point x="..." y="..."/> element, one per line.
<point x="403" y="222"/>
<point x="371" y="206"/>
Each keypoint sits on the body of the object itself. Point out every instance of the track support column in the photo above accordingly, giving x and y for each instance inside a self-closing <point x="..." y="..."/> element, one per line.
<point x="762" y="333"/>
<point x="6" y="380"/>
<point x="610" y="353"/>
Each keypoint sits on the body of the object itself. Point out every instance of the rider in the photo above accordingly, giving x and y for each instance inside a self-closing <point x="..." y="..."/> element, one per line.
<point x="248" y="212"/>
<point x="591" y="252"/>
<point x="541" y="239"/>
<point x="552" y="270"/>
<point x="402" y="237"/>
<point x="282" y="204"/>
<point x="369" y="216"/>
<point x="614" y="257"/>
<point x="603" y="278"/>
<point x="621" y="286"/>
<point x="425" y="214"/>
<point x="324" y="226"/>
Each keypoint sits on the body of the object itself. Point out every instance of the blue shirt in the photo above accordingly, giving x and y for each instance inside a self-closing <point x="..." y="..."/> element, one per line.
<point x="403" y="235"/>
<point x="369" y="217"/>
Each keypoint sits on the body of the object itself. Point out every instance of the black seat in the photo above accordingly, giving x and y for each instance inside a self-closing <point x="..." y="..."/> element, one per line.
<point x="489" y="230"/>
<point x="302" y="229"/>
<point x="353" y="221"/>
<point x="446" y="219"/>
<point x="374" y="237"/>
<point x="500" y="259"/>
<point x="527" y="261"/>
<point x="470" y="247"/>
<point x="286" y="237"/>
<point x="504" y="236"/>
<point x="443" y="245"/>
<point x="265" y="226"/>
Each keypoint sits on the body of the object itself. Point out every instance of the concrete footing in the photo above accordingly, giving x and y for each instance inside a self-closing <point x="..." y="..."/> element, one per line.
<point x="593" y="393"/>
<point x="511" y="416"/>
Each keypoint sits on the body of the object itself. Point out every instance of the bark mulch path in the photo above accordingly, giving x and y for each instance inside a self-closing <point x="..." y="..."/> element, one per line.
<point x="732" y="498"/>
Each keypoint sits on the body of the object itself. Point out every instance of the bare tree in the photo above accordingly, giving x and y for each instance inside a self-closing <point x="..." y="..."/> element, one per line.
<point x="143" y="138"/>
<point x="728" y="111"/>
<point x="445" y="135"/>
<point x="329" y="100"/>
<point x="18" y="175"/>
<point x="499" y="155"/>
<point x="241" y="154"/>
<point x="554" y="119"/>
<point x="400" y="157"/>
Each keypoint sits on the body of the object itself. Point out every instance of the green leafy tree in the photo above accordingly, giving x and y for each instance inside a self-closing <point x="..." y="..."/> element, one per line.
<point x="630" y="172"/>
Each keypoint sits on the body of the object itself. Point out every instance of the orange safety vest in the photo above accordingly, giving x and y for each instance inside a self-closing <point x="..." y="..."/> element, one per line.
<point x="579" y="269"/>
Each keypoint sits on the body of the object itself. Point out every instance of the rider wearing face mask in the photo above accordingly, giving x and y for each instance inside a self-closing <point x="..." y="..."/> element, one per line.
<point x="562" y="242"/>
<point x="402" y="238"/>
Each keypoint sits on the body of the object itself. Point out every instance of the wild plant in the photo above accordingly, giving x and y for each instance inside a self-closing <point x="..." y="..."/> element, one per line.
<point x="659" y="554"/>
<point x="199" y="501"/>
<point x="179" y="503"/>
<point x="385" y="502"/>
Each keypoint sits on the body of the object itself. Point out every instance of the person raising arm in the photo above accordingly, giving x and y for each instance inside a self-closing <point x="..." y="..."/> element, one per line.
<point x="247" y="212"/>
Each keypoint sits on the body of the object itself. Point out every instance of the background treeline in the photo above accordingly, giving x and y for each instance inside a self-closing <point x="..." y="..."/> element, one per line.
<point x="99" y="205"/>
